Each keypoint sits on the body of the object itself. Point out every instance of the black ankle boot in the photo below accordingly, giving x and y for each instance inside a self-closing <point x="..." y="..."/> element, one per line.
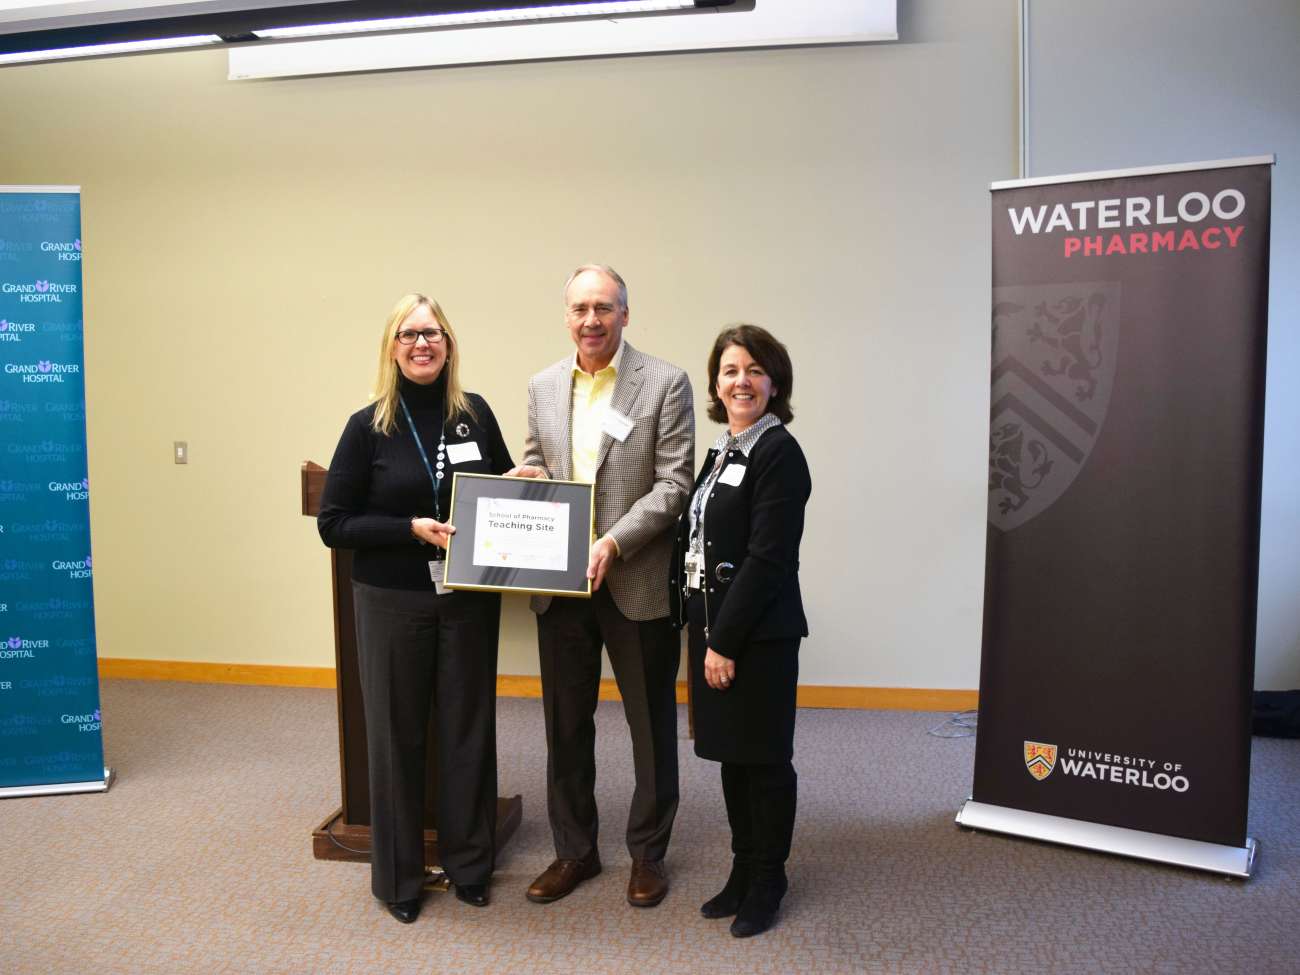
<point x="728" y="900"/>
<point x="758" y="910"/>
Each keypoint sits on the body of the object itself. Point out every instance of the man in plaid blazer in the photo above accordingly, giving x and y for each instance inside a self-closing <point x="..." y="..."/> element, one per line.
<point x="626" y="420"/>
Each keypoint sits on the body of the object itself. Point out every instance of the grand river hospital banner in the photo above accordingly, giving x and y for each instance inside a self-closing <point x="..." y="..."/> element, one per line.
<point x="1129" y="317"/>
<point x="49" y="687"/>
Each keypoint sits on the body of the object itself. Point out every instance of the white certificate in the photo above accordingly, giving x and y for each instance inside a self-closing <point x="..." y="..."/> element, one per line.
<point x="522" y="534"/>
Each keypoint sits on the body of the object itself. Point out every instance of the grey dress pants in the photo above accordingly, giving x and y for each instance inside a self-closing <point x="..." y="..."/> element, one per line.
<point x="422" y="654"/>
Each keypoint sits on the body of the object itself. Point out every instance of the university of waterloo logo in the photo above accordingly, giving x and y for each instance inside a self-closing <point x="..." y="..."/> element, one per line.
<point x="1040" y="759"/>
<point x="1054" y="350"/>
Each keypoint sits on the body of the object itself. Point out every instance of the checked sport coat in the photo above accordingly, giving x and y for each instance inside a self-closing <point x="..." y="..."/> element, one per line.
<point x="642" y="483"/>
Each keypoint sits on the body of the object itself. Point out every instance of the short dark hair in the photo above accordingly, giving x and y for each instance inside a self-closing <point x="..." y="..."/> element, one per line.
<point x="768" y="353"/>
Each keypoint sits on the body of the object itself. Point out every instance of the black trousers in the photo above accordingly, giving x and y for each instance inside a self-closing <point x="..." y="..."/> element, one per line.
<point x="420" y="652"/>
<point x="760" y="808"/>
<point x="644" y="656"/>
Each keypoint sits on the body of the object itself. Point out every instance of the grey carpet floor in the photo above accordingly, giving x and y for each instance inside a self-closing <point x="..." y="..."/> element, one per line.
<point x="199" y="861"/>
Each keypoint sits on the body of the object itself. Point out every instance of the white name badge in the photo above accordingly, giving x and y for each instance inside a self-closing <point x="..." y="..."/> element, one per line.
<point x="732" y="474"/>
<point x="616" y="425"/>
<point x="461" y="453"/>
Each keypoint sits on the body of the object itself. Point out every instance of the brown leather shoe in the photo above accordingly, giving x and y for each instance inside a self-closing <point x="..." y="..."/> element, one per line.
<point x="648" y="884"/>
<point x="562" y="877"/>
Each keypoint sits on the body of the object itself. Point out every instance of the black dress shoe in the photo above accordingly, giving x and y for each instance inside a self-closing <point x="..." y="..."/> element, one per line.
<point x="474" y="894"/>
<point x="404" y="911"/>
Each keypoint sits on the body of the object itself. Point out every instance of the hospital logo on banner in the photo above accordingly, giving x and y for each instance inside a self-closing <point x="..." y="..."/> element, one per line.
<point x="49" y="530"/>
<point x="1054" y="350"/>
<point x="40" y="291"/>
<point x="17" y="646"/>
<point x="45" y="452"/>
<point x="12" y="411"/>
<point x="84" y="722"/>
<point x="57" y="608"/>
<point x="11" y="249"/>
<point x="18" y="570"/>
<point x="43" y="370"/>
<point x="71" y="490"/>
<point x="64" y="250"/>
<point x="14" y="331"/>
<point x="75" y="568"/>
<point x="1040" y="759"/>
<point x="74" y="412"/>
<point x="16" y="492"/>
<point x="20" y="725"/>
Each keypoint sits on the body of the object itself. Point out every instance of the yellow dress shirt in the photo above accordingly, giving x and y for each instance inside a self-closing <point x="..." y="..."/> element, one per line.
<point x="591" y="398"/>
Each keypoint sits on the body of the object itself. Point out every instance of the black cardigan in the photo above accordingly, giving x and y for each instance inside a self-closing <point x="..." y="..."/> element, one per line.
<point x="377" y="484"/>
<point x="756" y="526"/>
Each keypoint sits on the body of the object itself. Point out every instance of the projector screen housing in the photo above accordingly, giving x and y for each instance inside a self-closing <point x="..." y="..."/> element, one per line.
<point x="32" y="26"/>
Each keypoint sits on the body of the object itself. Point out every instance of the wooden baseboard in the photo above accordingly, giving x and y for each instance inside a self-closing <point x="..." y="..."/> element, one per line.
<point x="197" y="672"/>
<point x="887" y="698"/>
<point x="511" y="685"/>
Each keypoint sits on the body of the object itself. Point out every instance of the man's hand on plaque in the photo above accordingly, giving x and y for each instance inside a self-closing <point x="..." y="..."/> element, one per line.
<point x="527" y="470"/>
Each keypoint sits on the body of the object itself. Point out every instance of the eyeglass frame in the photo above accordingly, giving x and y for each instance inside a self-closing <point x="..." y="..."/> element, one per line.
<point x="431" y="336"/>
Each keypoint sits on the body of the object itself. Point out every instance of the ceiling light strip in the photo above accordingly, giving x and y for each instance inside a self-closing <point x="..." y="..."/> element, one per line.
<point x="431" y="21"/>
<point x="122" y="47"/>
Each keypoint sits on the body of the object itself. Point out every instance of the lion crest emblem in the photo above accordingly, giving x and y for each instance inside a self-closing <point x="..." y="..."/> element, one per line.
<point x="1054" y="349"/>
<point x="1040" y="759"/>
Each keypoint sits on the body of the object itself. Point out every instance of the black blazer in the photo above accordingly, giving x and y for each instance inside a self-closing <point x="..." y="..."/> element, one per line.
<point x="755" y="526"/>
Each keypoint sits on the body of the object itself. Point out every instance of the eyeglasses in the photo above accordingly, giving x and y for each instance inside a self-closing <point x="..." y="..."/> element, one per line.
<point x="409" y="336"/>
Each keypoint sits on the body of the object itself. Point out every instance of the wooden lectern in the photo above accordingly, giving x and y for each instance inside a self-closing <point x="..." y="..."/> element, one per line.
<point x="345" y="835"/>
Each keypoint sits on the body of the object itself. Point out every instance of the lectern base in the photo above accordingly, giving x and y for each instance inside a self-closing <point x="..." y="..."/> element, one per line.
<point x="337" y="840"/>
<point x="1230" y="860"/>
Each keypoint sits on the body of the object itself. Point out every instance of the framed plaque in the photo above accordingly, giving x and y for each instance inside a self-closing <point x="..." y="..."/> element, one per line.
<point x="520" y="534"/>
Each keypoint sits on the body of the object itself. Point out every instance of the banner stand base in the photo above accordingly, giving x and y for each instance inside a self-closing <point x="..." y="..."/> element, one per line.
<point x="1230" y="860"/>
<point x="60" y="788"/>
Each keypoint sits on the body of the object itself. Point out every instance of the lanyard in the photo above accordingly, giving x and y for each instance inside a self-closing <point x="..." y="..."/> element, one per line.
<point x="702" y="495"/>
<point x="434" y="479"/>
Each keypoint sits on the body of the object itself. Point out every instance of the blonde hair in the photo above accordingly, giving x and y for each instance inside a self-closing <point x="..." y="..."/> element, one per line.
<point x="385" y="394"/>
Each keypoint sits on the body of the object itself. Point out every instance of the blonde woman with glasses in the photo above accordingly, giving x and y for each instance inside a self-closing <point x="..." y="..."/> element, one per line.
<point x="420" y="649"/>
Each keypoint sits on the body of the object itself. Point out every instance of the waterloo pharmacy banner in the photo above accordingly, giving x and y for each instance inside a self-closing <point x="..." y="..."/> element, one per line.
<point x="49" y="687"/>
<point x="1129" y="316"/>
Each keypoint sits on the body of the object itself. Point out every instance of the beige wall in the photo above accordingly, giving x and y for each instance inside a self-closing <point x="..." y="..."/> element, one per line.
<point x="244" y="241"/>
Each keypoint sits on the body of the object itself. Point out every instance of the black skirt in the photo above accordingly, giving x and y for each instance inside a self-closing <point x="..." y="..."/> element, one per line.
<point x="752" y="721"/>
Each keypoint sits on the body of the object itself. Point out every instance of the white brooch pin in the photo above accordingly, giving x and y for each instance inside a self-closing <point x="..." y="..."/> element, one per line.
<point x="462" y="429"/>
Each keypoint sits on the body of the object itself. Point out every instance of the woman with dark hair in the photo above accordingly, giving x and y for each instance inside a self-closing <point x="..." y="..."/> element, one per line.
<point x="735" y="585"/>
<point x="420" y="648"/>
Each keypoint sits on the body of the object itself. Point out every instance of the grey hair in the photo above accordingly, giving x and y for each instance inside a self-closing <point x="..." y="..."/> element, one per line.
<point x="603" y="269"/>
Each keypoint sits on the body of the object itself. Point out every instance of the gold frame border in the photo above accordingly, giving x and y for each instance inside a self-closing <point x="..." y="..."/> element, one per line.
<point x="451" y="516"/>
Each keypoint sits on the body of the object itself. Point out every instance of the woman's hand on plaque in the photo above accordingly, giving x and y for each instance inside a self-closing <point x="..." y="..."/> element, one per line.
<point x="432" y="532"/>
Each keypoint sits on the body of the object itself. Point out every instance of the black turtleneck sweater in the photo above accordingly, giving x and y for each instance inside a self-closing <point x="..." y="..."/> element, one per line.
<point x="378" y="483"/>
